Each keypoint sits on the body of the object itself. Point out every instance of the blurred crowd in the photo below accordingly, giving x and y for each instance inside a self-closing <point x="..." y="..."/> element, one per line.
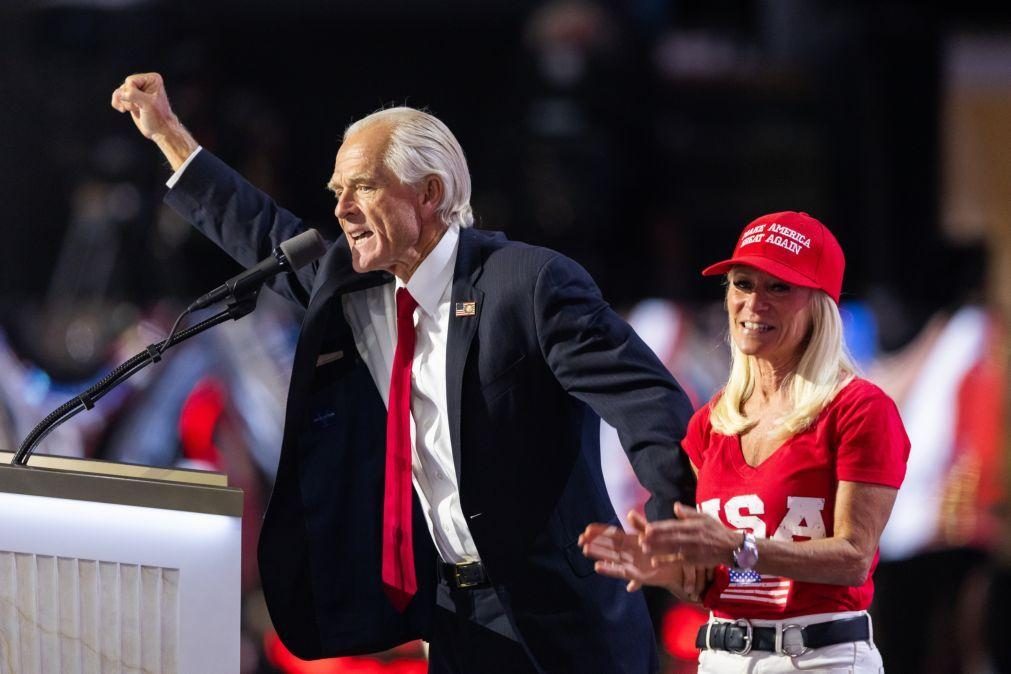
<point x="216" y="403"/>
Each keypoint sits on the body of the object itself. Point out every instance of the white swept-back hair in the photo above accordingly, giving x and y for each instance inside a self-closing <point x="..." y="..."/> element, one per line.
<point x="421" y="145"/>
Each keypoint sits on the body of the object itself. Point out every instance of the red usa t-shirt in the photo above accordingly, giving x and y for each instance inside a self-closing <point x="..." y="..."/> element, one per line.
<point x="858" y="437"/>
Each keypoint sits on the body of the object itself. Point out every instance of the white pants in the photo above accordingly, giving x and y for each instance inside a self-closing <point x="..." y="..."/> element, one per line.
<point x="856" y="657"/>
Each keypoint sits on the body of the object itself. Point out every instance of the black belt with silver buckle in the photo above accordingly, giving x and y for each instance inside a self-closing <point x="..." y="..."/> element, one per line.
<point x="462" y="576"/>
<point x="742" y="637"/>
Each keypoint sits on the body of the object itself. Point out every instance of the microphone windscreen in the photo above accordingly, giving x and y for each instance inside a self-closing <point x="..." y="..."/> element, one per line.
<point x="302" y="249"/>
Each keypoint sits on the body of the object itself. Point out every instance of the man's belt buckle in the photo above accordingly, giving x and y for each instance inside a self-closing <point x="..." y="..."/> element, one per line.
<point x="748" y="637"/>
<point x="781" y="646"/>
<point x="468" y="575"/>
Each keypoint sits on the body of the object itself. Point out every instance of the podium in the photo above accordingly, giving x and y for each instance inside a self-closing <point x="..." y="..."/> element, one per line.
<point x="109" y="567"/>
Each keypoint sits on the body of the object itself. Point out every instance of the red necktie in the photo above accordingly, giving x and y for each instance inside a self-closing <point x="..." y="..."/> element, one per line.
<point x="399" y="581"/>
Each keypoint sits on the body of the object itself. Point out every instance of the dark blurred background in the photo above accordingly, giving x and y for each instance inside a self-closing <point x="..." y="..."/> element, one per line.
<point x="636" y="136"/>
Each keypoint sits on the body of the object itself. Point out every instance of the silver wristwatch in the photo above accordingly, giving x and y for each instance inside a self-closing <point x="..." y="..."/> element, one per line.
<point x="746" y="556"/>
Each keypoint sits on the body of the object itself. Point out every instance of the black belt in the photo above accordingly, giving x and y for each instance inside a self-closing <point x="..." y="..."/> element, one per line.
<point x="741" y="637"/>
<point x="463" y="576"/>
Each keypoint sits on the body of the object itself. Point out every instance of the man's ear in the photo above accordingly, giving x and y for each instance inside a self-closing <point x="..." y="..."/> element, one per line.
<point x="432" y="192"/>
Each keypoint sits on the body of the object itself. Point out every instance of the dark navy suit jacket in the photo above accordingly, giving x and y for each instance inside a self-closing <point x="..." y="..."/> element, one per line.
<point x="527" y="376"/>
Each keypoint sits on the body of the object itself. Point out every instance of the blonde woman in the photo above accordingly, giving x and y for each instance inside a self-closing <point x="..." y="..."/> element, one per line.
<point x="798" y="461"/>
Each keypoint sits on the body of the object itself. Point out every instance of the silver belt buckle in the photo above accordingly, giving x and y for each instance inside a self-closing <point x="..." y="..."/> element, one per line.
<point x="781" y="646"/>
<point x="748" y="637"/>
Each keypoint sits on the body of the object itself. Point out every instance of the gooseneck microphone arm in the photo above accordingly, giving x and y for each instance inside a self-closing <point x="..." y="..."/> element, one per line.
<point x="241" y="293"/>
<point x="152" y="354"/>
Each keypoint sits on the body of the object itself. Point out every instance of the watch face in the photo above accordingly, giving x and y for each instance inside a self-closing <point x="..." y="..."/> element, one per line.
<point x="746" y="556"/>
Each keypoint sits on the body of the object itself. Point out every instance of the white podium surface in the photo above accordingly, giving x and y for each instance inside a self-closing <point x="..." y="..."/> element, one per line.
<point x="108" y="567"/>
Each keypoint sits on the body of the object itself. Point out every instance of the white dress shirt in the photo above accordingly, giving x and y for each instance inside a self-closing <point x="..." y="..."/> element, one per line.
<point x="174" y="178"/>
<point x="372" y="314"/>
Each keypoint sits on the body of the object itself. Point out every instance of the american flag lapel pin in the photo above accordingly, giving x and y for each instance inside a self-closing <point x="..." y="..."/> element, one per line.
<point x="465" y="309"/>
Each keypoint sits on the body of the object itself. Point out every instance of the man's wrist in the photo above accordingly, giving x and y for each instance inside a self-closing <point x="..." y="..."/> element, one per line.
<point x="176" y="143"/>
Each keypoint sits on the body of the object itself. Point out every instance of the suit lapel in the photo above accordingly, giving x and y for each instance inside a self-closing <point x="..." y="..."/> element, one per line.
<point x="462" y="328"/>
<point x="336" y="278"/>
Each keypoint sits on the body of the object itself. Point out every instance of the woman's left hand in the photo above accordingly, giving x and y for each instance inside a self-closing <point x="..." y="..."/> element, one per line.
<point x="692" y="538"/>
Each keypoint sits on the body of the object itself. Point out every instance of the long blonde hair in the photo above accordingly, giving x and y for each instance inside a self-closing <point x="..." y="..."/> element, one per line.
<point x="824" y="368"/>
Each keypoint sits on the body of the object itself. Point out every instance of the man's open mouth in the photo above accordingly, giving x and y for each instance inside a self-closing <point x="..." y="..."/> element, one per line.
<point x="359" y="237"/>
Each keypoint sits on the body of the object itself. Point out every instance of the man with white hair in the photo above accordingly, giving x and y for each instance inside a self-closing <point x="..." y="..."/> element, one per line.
<point x="470" y="366"/>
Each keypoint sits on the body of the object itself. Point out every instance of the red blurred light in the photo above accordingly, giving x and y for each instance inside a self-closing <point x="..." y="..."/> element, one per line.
<point x="678" y="628"/>
<point x="281" y="658"/>
<point x="197" y="420"/>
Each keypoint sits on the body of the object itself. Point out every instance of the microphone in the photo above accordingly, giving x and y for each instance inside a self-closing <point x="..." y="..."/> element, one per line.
<point x="292" y="254"/>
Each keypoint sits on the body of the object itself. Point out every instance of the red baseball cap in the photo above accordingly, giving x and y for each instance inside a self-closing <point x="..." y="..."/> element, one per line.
<point x="791" y="246"/>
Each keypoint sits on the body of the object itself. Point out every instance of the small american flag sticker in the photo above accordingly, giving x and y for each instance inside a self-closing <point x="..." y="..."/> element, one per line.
<point x="744" y="577"/>
<point x="466" y="309"/>
<point x="750" y="587"/>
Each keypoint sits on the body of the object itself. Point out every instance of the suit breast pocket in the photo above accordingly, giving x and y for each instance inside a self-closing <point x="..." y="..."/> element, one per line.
<point x="335" y="373"/>
<point x="333" y="364"/>
<point x="505" y="379"/>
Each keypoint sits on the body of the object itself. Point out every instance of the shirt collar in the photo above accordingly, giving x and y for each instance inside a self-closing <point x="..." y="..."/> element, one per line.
<point x="429" y="280"/>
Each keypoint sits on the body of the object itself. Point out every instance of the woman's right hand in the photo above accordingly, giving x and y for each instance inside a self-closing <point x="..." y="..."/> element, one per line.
<point x="618" y="554"/>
